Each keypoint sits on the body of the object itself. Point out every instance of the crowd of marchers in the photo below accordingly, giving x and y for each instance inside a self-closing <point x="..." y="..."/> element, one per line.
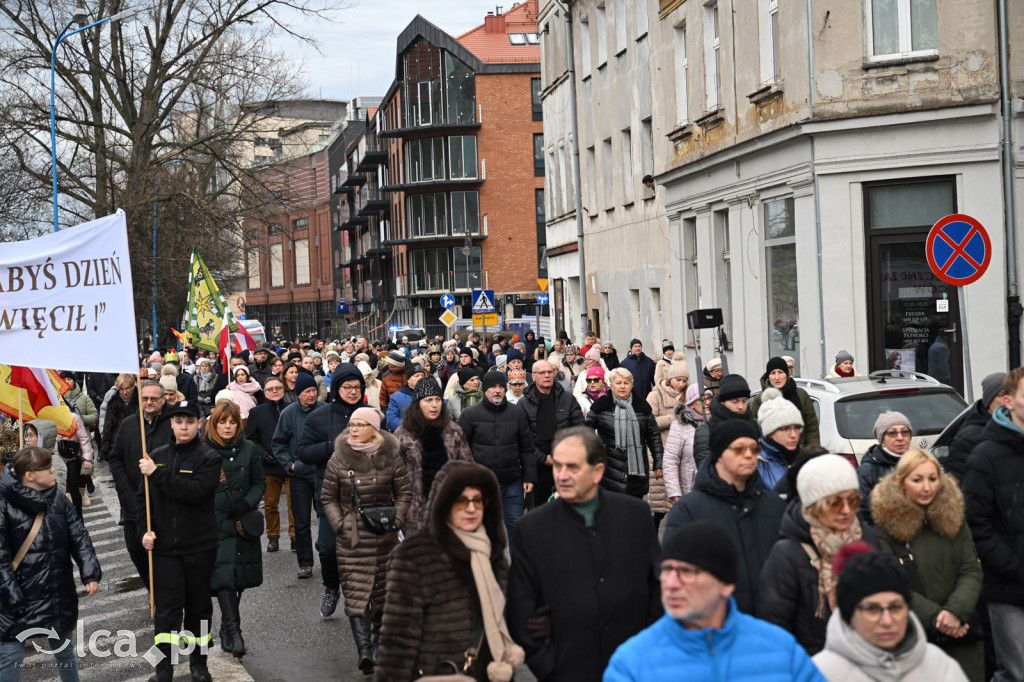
<point x="484" y="505"/>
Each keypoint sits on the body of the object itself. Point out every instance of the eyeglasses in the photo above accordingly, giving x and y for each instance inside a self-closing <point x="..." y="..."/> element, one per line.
<point x="594" y="381"/>
<point x="357" y="425"/>
<point x="273" y="388"/>
<point x="792" y="428"/>
<point x="463" y="503"/>
<point x="897" y="433"/>
<point x="836" y="503"/>
<point x="873" y="612"/>
<point x="355" y="387"/>
<point x="739" y="449"/>
<point x="684" y="572"/>
<point x="147" y="399"/>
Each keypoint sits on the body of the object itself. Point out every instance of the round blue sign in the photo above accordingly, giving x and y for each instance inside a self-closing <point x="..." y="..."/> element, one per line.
<point x="542" y="299"/>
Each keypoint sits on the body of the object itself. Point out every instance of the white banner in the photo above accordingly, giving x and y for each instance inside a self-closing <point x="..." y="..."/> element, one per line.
<point x="66" y="300"/>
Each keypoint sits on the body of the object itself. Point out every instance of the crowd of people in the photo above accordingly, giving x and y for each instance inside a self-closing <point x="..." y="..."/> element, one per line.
<point x="488" y="504"/>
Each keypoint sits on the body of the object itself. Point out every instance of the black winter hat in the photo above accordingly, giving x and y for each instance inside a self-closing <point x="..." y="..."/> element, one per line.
<point x="303" y="381"/>
<point x="724" y="433"/>
<point x="733" y="386"/>
<point x="776" y="363"/>
<point x="466" y="374"/>
<point x="426" y="388"/>
<point x="706" y="545"/>
<point x="493" y="378"/>
<point x="866" y="574"/>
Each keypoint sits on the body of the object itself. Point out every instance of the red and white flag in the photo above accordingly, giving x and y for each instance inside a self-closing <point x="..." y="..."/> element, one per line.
<point x="243" y="341"/>
<point x="223" y="347"/>
<point x="38" y="387"/>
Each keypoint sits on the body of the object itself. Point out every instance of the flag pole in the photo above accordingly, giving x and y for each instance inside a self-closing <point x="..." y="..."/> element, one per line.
<point x="145" y="481"/>
<point x="21" y="421"/>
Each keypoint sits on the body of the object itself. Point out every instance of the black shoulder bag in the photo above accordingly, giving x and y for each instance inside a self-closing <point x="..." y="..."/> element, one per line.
<point x="975" y="633"/>
<point x="379" y="520"/>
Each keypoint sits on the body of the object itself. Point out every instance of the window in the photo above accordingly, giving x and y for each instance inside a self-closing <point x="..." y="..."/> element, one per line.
<point x="462" y="156"/>
<point x="768" y="30"/>
<point x="276" y="265"/>
<point x="640" y="17"/>
<point x="591" y="182"/>
<point x="533" y="39"/>
<point x="517" y="38"/>
<point x="712" y="59"/>
<point x="467" y="268"/>
<point x="606" y="176"/>
<point x="723" y="268"/>
<point x="460" y="90"/>
<point x="554" y="179"/>
<point x="538" y="155"/>
<point x="780" y="267"/>
<point x="691" y="274"/>
<point x="682" y="75"/>
<point x="301" y="262"/>
<point x="300" y="224"/>
<point x="627" y="167"/>
<point x="647" y="148"/>
<point x="619" y="12"/>
<point x="430" y="269"/>
<point x="465" y="212"/>
<point x="602" y="35"/>
<point x="274" y="228"/>
<point x="425" y="159"/>
<point x="427" y="214"/>
<point x="542" y="235"/>
<point x="535" y="103"/>
<point x="439" y="88"/>
<point x="585" y="45"/>
<point x="253" y="265"/>
<point x="902" y="27"/>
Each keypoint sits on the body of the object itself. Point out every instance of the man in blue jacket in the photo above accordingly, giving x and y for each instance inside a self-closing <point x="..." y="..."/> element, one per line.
<point x="703" y="636"/>
<point x="403" y="398"/>
<point x="641" y="367"/>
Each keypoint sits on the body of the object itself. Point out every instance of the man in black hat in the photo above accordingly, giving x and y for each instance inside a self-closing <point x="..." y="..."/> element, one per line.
<point x="499" y="436"/>
<point x="732" y="402"/>
<point x="698" y="572"/>
<point x="183" y="476"/>
<point x="728" y="490"/>
<point x="260" y="368"/>
<point x="641" y="367"/>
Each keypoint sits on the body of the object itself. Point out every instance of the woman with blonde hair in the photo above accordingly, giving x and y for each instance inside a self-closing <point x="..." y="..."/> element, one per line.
<point x="919" y="516"/>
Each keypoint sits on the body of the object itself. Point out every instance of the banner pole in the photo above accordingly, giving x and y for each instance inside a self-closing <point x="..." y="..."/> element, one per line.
<point x="21" y="421"/>
<point x="145" y="481"/>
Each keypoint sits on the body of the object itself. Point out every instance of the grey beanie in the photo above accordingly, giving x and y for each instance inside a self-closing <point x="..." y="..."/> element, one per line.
<point x="990" y="387"/>
<point x="842" y="356"/>
<point x="887" y="420"/>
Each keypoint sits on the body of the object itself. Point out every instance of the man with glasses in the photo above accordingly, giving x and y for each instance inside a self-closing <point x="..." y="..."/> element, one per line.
<point x="894" y="433"/>
<point x="583" y="578"/>
<point x="315" y="448"/>
<point x="550" y="408"/>
<point x="728" y="490"/>
<point x="259" y="428"/>
<point x="125" y="453"/>
<point x="703" y="636"/>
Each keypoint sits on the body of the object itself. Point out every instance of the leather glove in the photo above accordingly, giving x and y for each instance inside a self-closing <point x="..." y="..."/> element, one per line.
<point x="540" y="626"/>
<point x="239" y="509"/>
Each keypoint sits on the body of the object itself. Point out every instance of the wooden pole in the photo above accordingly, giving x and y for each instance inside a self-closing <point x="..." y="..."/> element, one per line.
<point x="145" y="481"/>
<point x="21" y="422"/>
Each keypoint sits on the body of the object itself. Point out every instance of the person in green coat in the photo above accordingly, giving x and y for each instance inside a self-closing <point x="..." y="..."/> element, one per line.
<point x="919" y="517"/>
<point x="776" y="375"/>
<point x="239" y="561"/>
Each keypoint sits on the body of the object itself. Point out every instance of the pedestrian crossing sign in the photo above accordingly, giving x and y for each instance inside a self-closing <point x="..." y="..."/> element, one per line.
<point x="483" y="301"/>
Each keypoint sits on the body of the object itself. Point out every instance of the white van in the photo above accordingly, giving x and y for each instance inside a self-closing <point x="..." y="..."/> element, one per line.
<point x="413" y="334"/>
<point x="256" y="331"/>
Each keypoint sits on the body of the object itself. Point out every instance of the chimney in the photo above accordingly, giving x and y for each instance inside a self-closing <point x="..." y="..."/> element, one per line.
<point x="494" y="24"/>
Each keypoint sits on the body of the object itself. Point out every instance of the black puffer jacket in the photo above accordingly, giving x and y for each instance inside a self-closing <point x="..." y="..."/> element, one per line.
<point x="992" y="492"/>
<point x="874" y="466"/>
<point x="259" y="428"/>
<point x="967" y="437"/>
<point x="567" y="413"/>
<point x="602" y="418"/>
<point x="42" y="592"/>
<point x="788" y="593"/>
<point x="751" y="517"/>
<point x="702" y="436"/>
<point x="325" y="424"/>
<point x="499" y="437"/>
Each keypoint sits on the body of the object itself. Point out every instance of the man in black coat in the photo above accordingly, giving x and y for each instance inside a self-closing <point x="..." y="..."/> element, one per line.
<point x="550" y="409"/>
<point x="641" y="367"/>
<point x="969" y="433"/>
<point x="315" y="448"/>
<point x="731" y="402"/>
<point x="995" y="515"/>
<point x="124" y="456"/>
<point x="729" y="491"/>
<point x="584" y="575"/>
<point x="260" y="368"/>
<point x="499" y="436"/>
<point x="259" y="428"/>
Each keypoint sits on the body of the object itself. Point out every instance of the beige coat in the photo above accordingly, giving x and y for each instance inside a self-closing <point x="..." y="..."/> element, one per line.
<point x="663" y="401"/>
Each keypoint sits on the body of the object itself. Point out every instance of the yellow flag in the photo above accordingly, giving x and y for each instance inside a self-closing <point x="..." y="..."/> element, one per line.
<point x="206" y="307"/>
<point x="59" y="415"/>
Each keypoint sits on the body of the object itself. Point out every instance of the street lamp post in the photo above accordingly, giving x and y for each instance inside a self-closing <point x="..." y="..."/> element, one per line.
<point x="156" y="184"/>
<point x="80" y="16"/>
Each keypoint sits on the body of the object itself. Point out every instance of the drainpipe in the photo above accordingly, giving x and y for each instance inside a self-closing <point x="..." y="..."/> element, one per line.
<point x="1014" y="309"/>
<point x="571" y="70"/>
<point x="817" y="195"/>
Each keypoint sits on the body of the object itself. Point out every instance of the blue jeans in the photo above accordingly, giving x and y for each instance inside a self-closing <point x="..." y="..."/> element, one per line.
<point x="12" y="654"/>
<point x="1007" y="622"/>
<point x="512" y="504"/>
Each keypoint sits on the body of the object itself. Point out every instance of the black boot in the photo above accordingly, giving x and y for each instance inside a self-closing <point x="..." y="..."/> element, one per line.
<point x="164" y="670"/>
<point x="239" y="650"/>
<point x="375" y="635"/>
<point x="197" y="667"/>
<point x="227" y="642"/>
<point x="364" y="642"/>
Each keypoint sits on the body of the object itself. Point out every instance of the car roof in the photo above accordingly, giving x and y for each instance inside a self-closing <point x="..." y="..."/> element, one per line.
<point x="876" y="381"/>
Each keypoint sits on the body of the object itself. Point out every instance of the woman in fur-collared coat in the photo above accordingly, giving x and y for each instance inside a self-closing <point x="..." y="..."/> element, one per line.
<point x="918" y="510"/>
<point x="380" y="479"/>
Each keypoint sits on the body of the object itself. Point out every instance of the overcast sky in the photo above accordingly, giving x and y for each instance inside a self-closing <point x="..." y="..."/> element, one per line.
<point x="358" y="52"/>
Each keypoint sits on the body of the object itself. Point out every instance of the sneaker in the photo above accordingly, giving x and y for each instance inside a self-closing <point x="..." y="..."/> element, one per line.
<point x="305" y="572"/>
<point x="330" y="602"/>
<point x="272" y="545"/>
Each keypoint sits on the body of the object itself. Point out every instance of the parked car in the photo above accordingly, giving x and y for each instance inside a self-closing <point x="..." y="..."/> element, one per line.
<point x="847" y="408"/>
<point x="940" y="446"/>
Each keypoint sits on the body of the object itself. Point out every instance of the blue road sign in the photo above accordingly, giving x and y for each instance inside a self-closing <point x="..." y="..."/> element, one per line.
<point x="542" y="299"/>
<point x="958" y="249"/>
<point x="483" y="301"/>
<point x="447" y="301"/>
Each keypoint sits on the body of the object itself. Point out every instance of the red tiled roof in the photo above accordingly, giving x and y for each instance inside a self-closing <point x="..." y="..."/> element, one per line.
<point x="370" y="111"/>
<point x="495" y="48"/>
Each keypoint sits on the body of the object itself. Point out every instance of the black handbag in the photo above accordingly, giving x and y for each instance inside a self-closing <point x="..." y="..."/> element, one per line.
<point x="251" y="525"/>
<point x="975" y="633"/>
<point x="379" y="520"/>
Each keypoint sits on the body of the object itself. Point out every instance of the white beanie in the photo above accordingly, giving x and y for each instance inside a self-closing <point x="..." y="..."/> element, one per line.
<point x="225" y="394"/>
<point x="776" y="412"/>
<point x="823" y="476"/>
<point x="364" y="368"/>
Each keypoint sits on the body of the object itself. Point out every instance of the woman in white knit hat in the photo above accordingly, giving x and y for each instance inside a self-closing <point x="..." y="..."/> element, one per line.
<point x="798" y="586"/>
<point x="781" y="423"/>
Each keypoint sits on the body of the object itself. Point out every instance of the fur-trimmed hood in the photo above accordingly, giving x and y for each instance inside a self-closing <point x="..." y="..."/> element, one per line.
<point x="454" y="477"/>
<point x="902" y="519"/>
<point x="360" y="462"/>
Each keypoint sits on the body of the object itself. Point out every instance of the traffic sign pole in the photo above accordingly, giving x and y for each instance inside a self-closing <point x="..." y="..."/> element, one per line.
<point x="967" y="352"/>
